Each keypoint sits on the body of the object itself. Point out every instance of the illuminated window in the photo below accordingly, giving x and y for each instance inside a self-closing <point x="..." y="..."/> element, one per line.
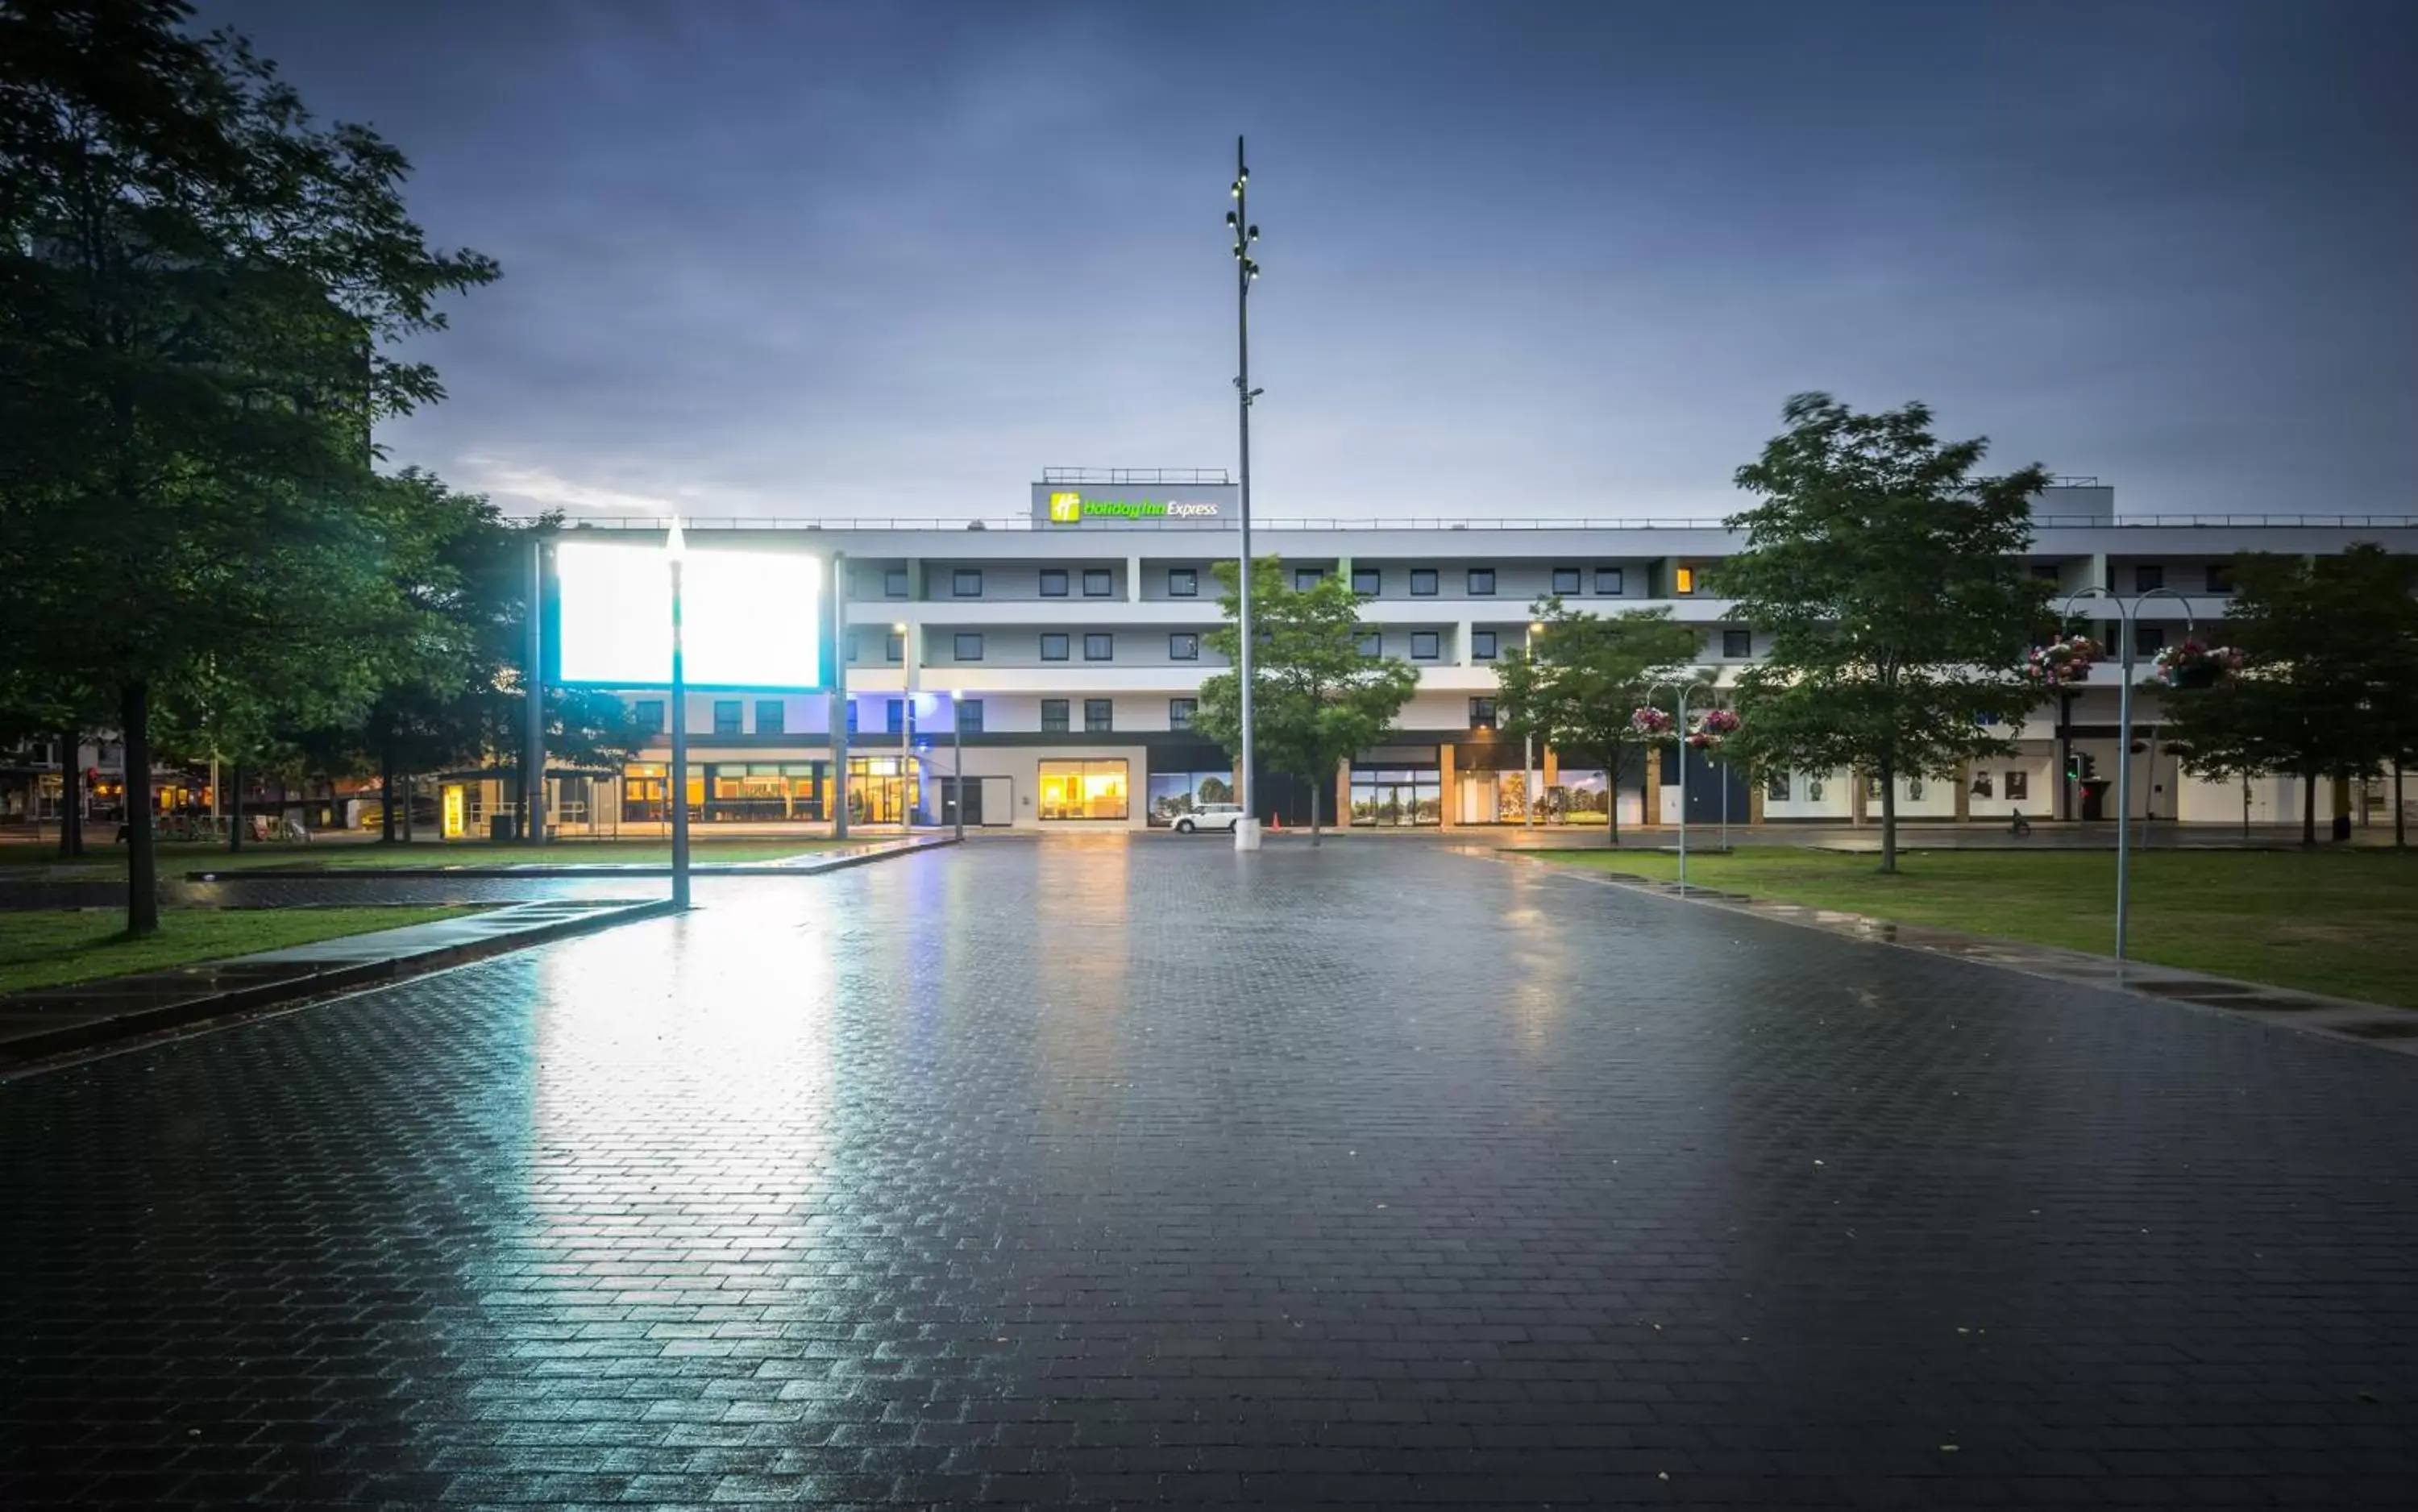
<point x="1481" y="713"/>
<point x="1684" y="580"/>
<point x="1083" y="791"/>
<point x="1053" y="716"/>
<point x="1053" y="582"/>
<point x="1099" y="715"/>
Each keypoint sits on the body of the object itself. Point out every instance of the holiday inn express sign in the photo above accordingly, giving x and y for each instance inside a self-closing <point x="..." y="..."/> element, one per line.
<point x="1195" y="506"/>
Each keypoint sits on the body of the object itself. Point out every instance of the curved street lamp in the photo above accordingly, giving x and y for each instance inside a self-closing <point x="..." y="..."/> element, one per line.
<point x="1528" y="740"/>
<point x="676" y="553"/>
<point x="2127" y="611"/>
<point x="1680" y="733"/>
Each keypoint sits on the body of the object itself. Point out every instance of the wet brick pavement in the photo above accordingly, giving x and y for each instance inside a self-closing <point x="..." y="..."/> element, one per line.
<point x="1109" y="1172"/>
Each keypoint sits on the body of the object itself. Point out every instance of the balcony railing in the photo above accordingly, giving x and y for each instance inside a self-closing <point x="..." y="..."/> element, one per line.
<point x="2123" y="522"/>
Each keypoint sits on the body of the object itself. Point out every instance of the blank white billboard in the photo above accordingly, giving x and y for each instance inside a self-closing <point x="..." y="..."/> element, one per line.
<point x="748" y="619"/>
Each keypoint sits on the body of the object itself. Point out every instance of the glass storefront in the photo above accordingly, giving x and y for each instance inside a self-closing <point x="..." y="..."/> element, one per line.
<point x="1174" y="794"/>
<point x="739" y="792"/>
<point x="1386" y="797"/>
<point x="878" y="792"/>
<point x="1083" y="791"/>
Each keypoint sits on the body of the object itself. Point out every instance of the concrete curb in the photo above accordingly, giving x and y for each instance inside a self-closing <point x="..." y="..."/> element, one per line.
<point x="20" y="1052"/>
<point x="840" y="862"/>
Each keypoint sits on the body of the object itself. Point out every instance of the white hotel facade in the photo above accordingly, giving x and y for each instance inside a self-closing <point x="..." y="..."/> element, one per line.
<point x="1071" y="643"/>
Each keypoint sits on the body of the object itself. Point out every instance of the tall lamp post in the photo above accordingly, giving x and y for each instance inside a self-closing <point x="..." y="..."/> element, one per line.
<point x="1528" y="744"/>
<point x="905" y="724"/>
<point x="676" y="549"/>
<point x="2127" y="612"/>
<point x="1679" y="734"/>
<point x="1238" y="221"/>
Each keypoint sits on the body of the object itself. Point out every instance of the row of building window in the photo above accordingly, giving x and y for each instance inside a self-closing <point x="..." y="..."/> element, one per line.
<point x="1056" y="716"/>
<point x="1185" y="645"/>
<point x="1426" y="582"/>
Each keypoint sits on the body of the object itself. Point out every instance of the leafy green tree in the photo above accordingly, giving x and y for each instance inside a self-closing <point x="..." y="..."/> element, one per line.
<point x="2328" y="684"/>
<point x="198" y="291"/>
<point x="1586" y="674"/>
<point x="1316" y="697"/>
<point x="1890" y="582"/>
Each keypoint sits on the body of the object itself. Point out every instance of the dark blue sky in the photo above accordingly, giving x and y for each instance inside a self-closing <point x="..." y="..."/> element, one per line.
<point x="856" y="259"/>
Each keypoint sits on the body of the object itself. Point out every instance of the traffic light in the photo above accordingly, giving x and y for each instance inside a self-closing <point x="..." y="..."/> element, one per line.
<point x="2081" y="766"/>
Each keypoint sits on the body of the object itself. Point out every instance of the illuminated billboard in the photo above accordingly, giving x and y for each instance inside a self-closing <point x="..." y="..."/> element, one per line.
<point x="1179" y="505"/>
<point x="748" y="619"/>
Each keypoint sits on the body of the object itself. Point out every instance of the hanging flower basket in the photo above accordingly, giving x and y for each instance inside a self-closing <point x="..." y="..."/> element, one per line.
<point x="1650" y="721"/>
<point x="2060" y="663"/>
<point x="2194" y="665"/>
<point x="1716" y="725"/>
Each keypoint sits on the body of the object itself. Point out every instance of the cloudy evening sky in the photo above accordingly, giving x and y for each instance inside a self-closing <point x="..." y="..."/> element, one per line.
<point x="1522" y="258"/>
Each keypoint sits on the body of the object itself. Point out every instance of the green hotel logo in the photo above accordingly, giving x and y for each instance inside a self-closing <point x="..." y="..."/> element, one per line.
<point x="1070" y="509"/>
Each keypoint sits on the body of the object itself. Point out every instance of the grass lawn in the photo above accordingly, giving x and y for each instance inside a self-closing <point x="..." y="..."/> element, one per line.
<point x="176" y="858"/>
<point x="2340" y="921"/>
<point x="51" y="948"/>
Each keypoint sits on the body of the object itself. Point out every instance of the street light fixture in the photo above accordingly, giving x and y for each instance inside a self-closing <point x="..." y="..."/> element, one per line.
<point x="1528" y="740"/>
<point x="1680" y="733"/>
<point x="676" y="553"/>
<point x="2127" y="612"/>
<point x="1238" y="221"/>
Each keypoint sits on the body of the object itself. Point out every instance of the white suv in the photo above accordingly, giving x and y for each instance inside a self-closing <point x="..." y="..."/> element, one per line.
<point x="1210" y="816"/>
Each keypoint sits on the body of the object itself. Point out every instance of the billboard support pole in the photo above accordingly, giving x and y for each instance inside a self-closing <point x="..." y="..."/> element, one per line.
<point x="674" y="548"/>
<point x="836" y="720"/>
<point x="533" y="743"/>
<point x="1238" y="219"/>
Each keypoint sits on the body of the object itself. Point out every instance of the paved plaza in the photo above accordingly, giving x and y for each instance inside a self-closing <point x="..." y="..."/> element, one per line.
<point x="1121" y="1171"/>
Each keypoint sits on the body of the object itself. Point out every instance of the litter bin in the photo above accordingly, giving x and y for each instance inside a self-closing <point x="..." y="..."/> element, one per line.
<point x="499" y="826"/>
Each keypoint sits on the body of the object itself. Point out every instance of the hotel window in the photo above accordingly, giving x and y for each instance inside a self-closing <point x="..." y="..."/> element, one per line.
<point x="1607" y="580"/>
<point x="1099" y="646"/>
<point x="1482" y="645"/>
<point x="1099" y="715"/>
<point x="893" y="647"/>
<point x="1481" y="581"/>
<point x="1083" y="791"/>
<point x="2220" y="577"/>
<point x="2148" y="640"/>
<point x="969" y="716"/>
<point x="1183" y="645"/>
<point x="1053" y="716"/>
<point x="894" y="582"/>
<point x="969" y="648"/>
<point x="1367" y="581"/>
<point x="1775" y="787"/>
<point x="772" y="716"/>
<point x="726" y="716"/>
<point x="1565" y="580"/>
<point x="648" y="715"/>
<point x="1053" y="646"/>
<point x="1481" y="714"/>
<point x="2147" y="576"/>
<point x="1426" y="645"/>
<point x="1184" y="581"/>
<point x="1423" y="582"/>
<point x="1179" y="712"/>
<point x="1737" y="644"/>
<point x="1369" y="642"/>
<point x="893" y="715"/>
<point x="966" y="583"/>
<point x="1683" y="580"/>
<point x="1305" y="578"/>
<point x="1098" y="583"/>
<point x="1053" y="582"/>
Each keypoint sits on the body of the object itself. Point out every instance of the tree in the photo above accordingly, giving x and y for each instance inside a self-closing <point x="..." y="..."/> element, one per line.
<point x="1316" y="697"/>
<point x="1889" y="580"/>
<point x="2328" y="684"/>
<point x="1584" y="677"/>
<point x="197" y="288"/>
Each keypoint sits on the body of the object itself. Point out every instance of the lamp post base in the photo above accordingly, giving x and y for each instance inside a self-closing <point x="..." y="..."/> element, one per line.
<point x="1247" y="834"/>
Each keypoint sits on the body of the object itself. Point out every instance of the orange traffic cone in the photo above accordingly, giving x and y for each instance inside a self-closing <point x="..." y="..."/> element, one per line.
<point x="1276" y="821"/>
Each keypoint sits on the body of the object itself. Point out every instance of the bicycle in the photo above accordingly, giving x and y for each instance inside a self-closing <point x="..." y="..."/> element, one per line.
<point x="2021" y="827"/>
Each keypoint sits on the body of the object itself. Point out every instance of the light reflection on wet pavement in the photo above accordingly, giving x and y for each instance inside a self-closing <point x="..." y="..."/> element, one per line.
<point x="1108" y="1171"/>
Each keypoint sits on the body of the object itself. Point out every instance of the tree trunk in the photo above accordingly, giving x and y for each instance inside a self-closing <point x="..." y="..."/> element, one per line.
<point x="1889" y="820"/>
<point x="1612" y="799"/>
<point x="2308" y="809"/>
<point x="70" y="794"/>
<point x="1313" y="809"/>
<point x="408" y="782"/>
<point x="386" y="790"/>
<point x="234" y="785"/>
<point x="142" y="860"/>
<point x="2400" y="823"/>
